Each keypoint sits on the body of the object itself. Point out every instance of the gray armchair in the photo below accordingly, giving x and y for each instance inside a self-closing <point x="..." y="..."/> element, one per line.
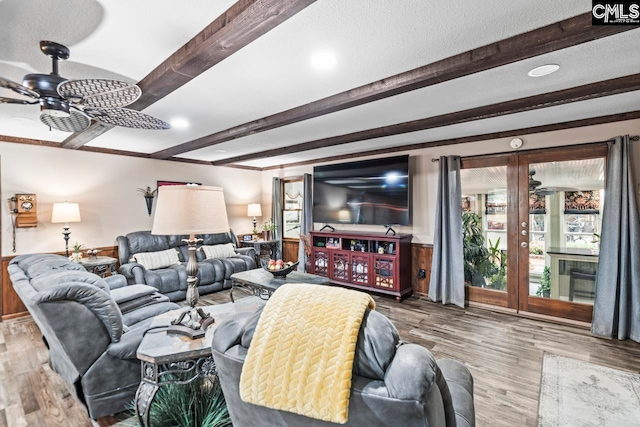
<point x="92" y="326"/>
<point x="393" y="384"/>
<point x="214" y="274"/>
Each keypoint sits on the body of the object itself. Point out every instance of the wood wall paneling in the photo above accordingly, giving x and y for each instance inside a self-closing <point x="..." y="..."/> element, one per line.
<point x="421" y="258"/>
<point x="12" y="306"/>
<point x="290" y="250"/>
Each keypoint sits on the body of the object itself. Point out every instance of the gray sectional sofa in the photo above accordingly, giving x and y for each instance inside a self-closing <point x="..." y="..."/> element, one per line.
<point x="214" y="274"/>
<point x="92" y="326"/>
<point x="393" y="383"/>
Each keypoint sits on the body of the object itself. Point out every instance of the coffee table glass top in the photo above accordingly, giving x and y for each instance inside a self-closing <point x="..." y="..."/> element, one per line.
<point x="159" y="347"/>
<point x="264" y="279"/>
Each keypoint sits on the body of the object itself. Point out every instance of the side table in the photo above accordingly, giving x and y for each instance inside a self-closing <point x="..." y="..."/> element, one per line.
<point x="100" y="265"/>
<point x="264" y="248"/>
<point x="176" y="359"/>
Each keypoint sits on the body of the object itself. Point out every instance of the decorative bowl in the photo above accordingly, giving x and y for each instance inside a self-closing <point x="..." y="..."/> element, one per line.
<point x="278" y="273"/>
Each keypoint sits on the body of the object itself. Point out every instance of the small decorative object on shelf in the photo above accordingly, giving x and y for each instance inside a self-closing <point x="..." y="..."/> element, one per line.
<point x="148" y="197"/>
<point x="77" y="252"/>
<point x="267" y="229"/>
<point x="278" y="268"/>
<point x="93" y="253"/>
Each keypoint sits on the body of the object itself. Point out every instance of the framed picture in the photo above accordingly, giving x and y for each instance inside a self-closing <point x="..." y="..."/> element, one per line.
<point x="247" y="237"/>
<point x="162" y="183"/>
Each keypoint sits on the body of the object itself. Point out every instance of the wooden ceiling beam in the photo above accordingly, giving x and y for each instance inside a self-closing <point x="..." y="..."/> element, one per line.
<point x="566" y="96"/>
<point x="592" y="121"/>
<point x="240" y="25"/>
<point x="560" y="35"/>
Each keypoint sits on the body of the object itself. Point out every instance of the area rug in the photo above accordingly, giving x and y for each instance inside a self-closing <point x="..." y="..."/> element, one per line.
<point x="577" y="393"/>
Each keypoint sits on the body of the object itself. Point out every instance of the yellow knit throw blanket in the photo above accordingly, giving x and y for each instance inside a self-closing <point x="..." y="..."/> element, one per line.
<point x="301" y="356"/>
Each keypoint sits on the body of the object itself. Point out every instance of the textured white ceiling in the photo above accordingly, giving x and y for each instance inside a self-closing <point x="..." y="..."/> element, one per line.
<point x="372" y="39"/>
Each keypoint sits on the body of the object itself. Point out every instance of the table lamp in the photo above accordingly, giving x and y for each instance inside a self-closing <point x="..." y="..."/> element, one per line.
<point x="65" y="213"/>
<point x="190" y="210"/>
<point x="254" y="210"/>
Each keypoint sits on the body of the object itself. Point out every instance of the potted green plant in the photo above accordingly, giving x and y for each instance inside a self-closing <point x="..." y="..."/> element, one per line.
<point x="477" y="265"/>
<point x="77" y="252"/>
<point x="148" y="197"/>
<point x="267" y="229"/>
<point x="544" y="289"/>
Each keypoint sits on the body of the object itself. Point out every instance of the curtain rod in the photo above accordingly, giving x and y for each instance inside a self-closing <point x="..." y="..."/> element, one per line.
<point x="631" y="138"/>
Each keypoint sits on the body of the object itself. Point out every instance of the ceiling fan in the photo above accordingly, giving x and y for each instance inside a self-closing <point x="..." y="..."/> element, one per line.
<point x="534" y="187"/>
<point x="69" y="105"/>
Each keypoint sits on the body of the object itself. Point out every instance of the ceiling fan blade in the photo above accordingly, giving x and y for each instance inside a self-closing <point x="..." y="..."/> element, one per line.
<point x="127" y="118"/>
<point x="548" y="191"/>
<point x="101" y="93"/>
<point x="76" y="122"/>
<point x="16" y="101"/>
<point x="18" y="88"/>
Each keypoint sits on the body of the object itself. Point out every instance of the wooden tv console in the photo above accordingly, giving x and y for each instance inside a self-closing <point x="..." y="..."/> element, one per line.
<point x="367" y="261"/>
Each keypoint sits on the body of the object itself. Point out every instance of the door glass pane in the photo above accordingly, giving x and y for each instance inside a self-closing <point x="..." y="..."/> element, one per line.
<point x="484" y="226"/>
<point x="565" y="205"/>
<point x="292" y="212"/>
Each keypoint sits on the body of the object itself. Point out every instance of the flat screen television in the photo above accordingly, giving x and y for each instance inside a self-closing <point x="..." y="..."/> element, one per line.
<point x="365" y="192"/>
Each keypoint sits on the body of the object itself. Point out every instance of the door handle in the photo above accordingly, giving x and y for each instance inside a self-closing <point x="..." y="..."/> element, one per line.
<point x="523" y="244"/>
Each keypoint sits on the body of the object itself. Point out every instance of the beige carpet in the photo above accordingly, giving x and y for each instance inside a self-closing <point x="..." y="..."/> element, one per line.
<point x="576" y="393"/>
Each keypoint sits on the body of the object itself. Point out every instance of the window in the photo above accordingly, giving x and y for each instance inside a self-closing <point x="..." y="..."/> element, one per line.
<point x="292" y="208"/>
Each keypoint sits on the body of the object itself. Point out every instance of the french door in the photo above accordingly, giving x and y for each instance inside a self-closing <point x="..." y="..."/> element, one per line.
<point x="531" y="224"/>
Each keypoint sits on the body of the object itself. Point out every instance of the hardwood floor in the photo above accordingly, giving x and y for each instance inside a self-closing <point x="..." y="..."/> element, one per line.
<point x="503" y="352"/>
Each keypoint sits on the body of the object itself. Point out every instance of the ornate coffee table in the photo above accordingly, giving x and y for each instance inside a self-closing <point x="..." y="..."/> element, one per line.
<point x="167" y="359"/>
<point x="262" y="283"/>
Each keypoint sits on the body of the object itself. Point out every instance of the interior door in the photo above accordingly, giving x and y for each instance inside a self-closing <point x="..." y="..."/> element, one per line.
<point x="561" y="196"/>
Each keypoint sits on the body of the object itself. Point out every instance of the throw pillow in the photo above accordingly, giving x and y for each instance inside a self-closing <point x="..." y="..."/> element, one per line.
<point x="219" y="251"/>
<point x="160" y="259"/>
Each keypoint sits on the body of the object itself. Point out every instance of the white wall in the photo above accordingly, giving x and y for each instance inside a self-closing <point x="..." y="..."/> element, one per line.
<point x="425" y="172"/>
<point x="105" y="187"/>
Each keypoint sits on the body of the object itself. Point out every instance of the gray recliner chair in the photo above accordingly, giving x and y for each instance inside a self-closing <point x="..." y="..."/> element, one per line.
<point x="92" y="326"/>
<point x="393" y="384"/>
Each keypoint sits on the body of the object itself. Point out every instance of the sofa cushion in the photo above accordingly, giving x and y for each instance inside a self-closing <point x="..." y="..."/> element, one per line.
<point x="167" y="280"/>
<point x="219" y="251"/>
<point x="159" y="259"/>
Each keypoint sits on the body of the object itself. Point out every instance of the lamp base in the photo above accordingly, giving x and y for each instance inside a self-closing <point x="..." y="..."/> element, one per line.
<point x="195" y="326"/>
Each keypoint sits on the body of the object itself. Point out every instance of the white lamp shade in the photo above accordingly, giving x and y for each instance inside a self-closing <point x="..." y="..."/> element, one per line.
<point x="190" y="209"/>
<point x="254" y="209"/>
<point x="65" y="212"/>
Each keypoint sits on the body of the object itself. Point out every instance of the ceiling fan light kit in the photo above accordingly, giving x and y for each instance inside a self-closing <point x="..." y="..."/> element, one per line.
<point x="69" y="105"/>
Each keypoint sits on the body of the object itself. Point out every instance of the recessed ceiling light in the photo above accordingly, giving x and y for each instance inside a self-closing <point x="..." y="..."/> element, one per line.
<point x="219" y="151"/>
<point x="179" y="123"/>
<point x="323" y="60"/>
<point x="544" y="70"/>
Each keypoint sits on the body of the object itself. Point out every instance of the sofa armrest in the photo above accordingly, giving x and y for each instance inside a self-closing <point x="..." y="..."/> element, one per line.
<point x="116" y="281"/>
<point x="411" y="373"/>
<point x="251" y="252"/>
<point x="460" y="384"/>
<point x="134" y="273"/>
<point x="128" y="345"/>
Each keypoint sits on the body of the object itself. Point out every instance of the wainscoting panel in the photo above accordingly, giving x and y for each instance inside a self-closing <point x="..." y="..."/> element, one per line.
<point x="421" y="259"/>
<point x="290" y="250"/>
<point x="11" y="304"/>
